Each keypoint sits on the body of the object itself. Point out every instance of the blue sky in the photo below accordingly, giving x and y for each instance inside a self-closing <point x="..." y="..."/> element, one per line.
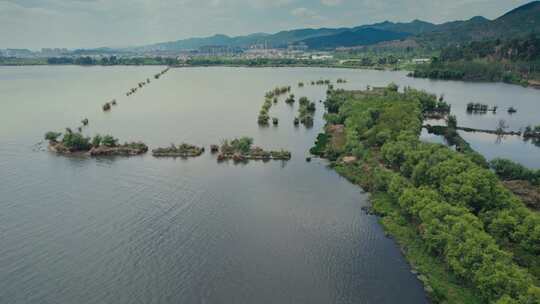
<point x="93" y="23"/>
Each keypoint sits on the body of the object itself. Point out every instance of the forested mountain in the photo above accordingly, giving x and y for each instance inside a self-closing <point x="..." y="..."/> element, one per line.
<point x="363" y="36"/>
<point x="414" y="27"/>
<point x="336" y="37"/>
<point x="524" y="49"/>
<point x="519" y="22"/>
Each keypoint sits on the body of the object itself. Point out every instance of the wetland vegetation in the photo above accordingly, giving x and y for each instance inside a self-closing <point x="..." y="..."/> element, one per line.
<point x="182" y="150"/>
<point x="242" y="149"/>
<point x="471" y="239"/>
<point x="305" y="111"/>
<point x="77" y="143"/>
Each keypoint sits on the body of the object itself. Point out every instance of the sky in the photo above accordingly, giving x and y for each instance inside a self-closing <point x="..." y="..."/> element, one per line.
<point x="36" y="24"/>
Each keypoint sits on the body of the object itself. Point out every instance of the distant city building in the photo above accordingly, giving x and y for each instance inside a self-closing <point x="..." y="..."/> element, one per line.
<point x="259" y="46"/>
<point x="218" y="50"/>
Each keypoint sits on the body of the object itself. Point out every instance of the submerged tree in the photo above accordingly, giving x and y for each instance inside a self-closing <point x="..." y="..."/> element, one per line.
<point x="52" y="136"/>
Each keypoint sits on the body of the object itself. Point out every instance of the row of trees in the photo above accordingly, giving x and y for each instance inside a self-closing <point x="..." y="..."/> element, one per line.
<point x="476" y="70"/>
<point x="461" y="210"/>
<point x="112" y="60"/>
<point x="223" y="61"/>
<point x="511" y="61"/>
<point x="372" y="61"/>
<point x="509" y="170"/>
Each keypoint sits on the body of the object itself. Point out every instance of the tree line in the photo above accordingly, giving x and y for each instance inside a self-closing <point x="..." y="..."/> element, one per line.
<point x="112" y="60"/>
<point x="464" y="215"/>
<point x="511" y="61"/>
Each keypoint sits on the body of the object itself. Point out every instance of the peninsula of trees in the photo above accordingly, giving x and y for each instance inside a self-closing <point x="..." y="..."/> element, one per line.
<point x="470" y="239"/>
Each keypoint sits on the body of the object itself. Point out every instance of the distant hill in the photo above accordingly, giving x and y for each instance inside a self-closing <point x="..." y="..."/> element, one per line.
<point x="524" y="19"/>
<point x="195" y="43"/>
<point x="350" y="37"/>
<point x="359" y="37"/>
<point x="518" y="22"/>
<point x="414" y="27"/>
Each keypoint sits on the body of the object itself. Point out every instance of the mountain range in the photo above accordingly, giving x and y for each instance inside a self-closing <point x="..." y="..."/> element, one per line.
<point x="518" y="22"/>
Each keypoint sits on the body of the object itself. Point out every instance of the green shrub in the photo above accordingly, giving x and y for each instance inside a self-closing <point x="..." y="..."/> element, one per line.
<point x="52" y="136"/>
<point x="96" y="140"/>
<point x="76" y="141"/>
<point x="109" y="141"/>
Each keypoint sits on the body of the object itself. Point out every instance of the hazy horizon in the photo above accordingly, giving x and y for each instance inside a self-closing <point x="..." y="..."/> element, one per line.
<point x="37" y="24"/>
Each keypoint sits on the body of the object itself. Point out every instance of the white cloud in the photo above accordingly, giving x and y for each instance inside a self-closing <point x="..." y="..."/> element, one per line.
<point x="94" y="23"/>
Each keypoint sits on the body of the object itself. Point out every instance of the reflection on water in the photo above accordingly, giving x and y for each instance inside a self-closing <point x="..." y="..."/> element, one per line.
<point x="432" y="138"/>
<point x="511" y="147"/>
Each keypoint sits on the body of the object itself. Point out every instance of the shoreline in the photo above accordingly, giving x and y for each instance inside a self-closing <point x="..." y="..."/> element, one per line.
<point x="533" y="83"/>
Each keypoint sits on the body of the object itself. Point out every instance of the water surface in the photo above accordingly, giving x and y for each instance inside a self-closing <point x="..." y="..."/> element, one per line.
<point x="146" y="230"/>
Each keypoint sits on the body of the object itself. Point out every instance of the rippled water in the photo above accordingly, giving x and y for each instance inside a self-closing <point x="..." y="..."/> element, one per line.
<point x="146" y="230"/>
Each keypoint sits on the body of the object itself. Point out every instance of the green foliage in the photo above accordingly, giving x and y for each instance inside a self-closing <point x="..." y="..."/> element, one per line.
<point x="459" y="207"/>
<point x="112" y="60"/>
<point x="109" y="141"/>
<point x="241" y="145"/>
<point x="452" y="122"/>
<point x="96" y="140"/>
<point x="454" y="139"/>
<point x="527" y="49"/>
<point x="511" y="61"/>
<point x="52" y="136"/>
<point x="305" y="111"/>
<point x="446" y="287"/>
<point x="76" y="141"/>
<point x="320" y="144"/>
<point x="393" y="87"/>
<point x="509" y="170"/>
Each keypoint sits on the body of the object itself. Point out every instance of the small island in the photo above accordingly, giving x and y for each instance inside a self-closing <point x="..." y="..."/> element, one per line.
<point x="183" y="150"/>
<point x="75" y="143"/>
<point x="241" y="149"/>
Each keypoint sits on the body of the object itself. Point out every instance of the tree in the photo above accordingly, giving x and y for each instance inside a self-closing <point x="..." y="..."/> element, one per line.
<point x="452" y="122"/>
<point x="242" y="144"/>
<point x="109" y="141"/>
<point x="501" y="127"/>
<point x="52" y="136"/>
<point x="393" y="87"/>
<point x="96" y="141"/>
<point x="76" y="141"/>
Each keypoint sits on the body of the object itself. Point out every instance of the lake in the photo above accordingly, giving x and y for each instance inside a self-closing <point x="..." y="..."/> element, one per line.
<point x="147" y="230"/>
